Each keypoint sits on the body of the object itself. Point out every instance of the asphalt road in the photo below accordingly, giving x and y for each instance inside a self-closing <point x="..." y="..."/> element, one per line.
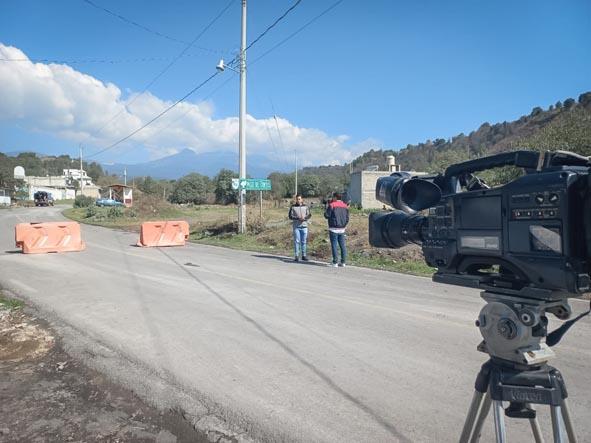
<point x="288" y="352"/>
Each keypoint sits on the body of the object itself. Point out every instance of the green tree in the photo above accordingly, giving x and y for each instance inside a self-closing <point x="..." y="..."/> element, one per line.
<point x="191" y="188"/>
<point x="282" y="185"/>
<point x="7" y="180"/>
<point x="222" y="184"/>
<point x="309" y="185"/>
<point x="94" y="171"/>
<point x="147" y="185"/>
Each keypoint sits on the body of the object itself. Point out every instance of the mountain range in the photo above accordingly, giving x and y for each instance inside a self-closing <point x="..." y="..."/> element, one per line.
<point x="187" y="161"/>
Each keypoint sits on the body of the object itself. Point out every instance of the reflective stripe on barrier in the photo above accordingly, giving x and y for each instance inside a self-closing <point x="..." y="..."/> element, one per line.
<point x="38" y="238"/>
<point x="164" y="233"/>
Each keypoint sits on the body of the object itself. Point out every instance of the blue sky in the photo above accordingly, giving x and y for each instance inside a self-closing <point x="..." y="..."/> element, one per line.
<point x="367" y="74"/>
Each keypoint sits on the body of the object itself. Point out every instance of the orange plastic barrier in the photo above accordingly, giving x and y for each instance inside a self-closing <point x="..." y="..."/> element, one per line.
<point x="164" y="233"/>
<point x="38" y="238"/>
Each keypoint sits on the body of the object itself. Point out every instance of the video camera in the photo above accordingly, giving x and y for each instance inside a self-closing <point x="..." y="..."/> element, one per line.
<point x="530" y="237"/>
<point x="526" y="244"/>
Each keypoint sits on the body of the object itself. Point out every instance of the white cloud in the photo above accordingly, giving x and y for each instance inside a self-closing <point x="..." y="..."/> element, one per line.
<point x="74" y="106"/>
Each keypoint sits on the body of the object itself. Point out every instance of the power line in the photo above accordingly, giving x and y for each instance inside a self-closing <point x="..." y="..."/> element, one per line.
<point x="262" y="34"/>
<point x="107" y="61"/>
<point x="271" y="26"/>
<point x="293" y="34"/>
<point x="161" y="73"/>
<point x="203" y="83"/>
<point x="233" y="61"/>
<point x="133" y="23"/>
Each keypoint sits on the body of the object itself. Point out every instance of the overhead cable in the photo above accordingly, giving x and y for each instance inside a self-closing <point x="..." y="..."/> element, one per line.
<point x="293" y="34"/>
<point x="161" y="73"/>
<point x="262" y="34"/>
<point x="106" y="61"/>
<point x="272" y="25"/>
<point x="133" y="23"/>
<point x="233" y="61"/>
<point x="195" y="89"/>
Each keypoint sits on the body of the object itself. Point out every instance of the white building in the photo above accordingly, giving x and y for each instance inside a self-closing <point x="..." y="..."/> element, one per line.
<point x="62" y="187"/>
<point x="362" y="190"/>
<point x="75" y="174"/>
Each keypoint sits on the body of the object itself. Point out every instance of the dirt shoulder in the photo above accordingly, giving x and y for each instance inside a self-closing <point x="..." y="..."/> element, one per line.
<point x="49" y="396"/>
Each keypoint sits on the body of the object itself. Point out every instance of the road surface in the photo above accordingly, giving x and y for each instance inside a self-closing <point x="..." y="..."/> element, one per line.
<point x="283" y="351"/>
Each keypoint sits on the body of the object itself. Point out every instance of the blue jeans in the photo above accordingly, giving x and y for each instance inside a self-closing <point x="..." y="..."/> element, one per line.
<point x="338" y="239"/>
<point x="300" y="237"/>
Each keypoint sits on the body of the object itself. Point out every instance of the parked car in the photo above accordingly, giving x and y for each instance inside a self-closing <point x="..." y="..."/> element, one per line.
<point x="108" y="202"/>
<point x="43" y="198"/>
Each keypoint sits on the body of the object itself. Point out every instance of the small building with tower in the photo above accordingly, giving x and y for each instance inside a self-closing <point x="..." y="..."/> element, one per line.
<point x="362" y="189"/>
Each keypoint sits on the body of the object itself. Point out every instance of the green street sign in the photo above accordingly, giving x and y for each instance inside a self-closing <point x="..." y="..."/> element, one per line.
<point x="255" y="184"/>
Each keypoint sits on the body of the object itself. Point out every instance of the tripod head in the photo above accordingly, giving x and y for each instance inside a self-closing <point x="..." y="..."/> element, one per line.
<point x="514" y="328"/>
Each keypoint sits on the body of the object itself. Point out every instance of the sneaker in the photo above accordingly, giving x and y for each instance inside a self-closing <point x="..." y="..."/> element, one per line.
<point x="334" y="265"/>
<point x="342" y="265"/>
<point x="304" y="258"/>
<point x="296" y="259"/>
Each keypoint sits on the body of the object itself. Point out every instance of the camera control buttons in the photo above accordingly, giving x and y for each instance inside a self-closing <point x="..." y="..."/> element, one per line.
<point x="540" y="199"/>
<point x="553" y="198"/>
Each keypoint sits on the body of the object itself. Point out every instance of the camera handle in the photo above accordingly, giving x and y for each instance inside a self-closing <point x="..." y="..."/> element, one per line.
<point x="520" y="159"/>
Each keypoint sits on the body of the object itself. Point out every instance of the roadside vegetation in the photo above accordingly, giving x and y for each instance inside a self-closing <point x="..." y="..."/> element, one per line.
<point x="10" y="303"/>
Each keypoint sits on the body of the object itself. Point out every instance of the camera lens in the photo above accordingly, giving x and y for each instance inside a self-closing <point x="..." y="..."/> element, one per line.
<point x="395" y="229"/>
<point x="401" y="191"/>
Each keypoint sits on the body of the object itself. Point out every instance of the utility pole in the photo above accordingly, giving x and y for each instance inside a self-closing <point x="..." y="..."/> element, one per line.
<point x="125" y="176"/>
<point x="81" y="181"/>
<point x="295" y="153"/>
<point x="241" y="128"/>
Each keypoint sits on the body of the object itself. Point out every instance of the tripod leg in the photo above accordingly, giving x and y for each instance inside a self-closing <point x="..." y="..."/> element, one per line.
<point x="480" y="420"/>
<point x="568" y="423"/>
<point x="535" y="428"/>
<point x="469" y="424"/>
<point x="499" y="421"/>
<point x="557" y="430"/>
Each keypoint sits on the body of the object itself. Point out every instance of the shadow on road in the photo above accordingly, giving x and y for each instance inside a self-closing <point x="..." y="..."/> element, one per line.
<point x="291" y="260"/>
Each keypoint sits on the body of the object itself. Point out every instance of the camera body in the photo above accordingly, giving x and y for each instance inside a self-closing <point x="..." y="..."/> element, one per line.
<point x="530" y="237"/>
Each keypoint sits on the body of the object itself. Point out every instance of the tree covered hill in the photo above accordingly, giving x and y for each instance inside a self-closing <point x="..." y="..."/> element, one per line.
<point x="564" y="125"/>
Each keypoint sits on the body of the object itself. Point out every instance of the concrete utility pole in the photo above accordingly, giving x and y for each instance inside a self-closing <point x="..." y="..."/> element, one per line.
<point x="125" y="176"/>
<point x="81" y="181"/>
<point x="295" y="153"/>
<point x="241" y="128"/>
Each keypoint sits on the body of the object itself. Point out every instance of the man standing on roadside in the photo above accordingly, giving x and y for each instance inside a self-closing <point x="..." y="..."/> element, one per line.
<point x="337" y="214"/>
<point x="299" y="214"/>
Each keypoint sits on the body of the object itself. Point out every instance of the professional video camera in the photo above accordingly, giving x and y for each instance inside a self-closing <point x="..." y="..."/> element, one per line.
<point x="527" y="244"/>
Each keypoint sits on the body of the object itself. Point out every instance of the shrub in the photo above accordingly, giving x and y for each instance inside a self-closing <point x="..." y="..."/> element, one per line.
<point x="91" y="211"/>
<point x="256" y="225"/>
<point x="131" y="212"/>
<point x="83" y="201"/>
<point x="115" y="212"/>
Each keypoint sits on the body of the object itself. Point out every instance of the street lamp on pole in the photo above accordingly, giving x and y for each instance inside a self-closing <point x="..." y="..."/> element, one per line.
<point x="241" y="121"/>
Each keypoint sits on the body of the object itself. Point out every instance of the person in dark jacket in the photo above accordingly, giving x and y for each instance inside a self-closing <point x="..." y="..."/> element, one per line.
<point x="299" y="214"/>
<point x="337" y="214"/>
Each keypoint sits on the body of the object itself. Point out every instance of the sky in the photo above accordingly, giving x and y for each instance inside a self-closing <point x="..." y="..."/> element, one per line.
<point x="377" y="74"/>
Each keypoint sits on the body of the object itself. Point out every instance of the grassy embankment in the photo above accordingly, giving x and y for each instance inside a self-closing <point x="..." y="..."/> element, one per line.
<point x="216" y="225"/>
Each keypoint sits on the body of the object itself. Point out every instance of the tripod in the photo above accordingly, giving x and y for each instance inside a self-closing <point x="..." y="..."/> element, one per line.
<point x="500" y="381"/>
<point x="517" y="372"/>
